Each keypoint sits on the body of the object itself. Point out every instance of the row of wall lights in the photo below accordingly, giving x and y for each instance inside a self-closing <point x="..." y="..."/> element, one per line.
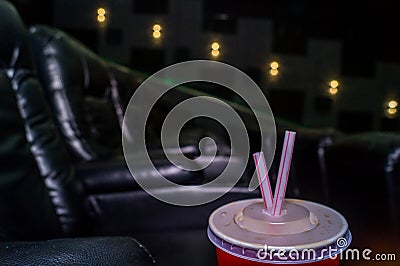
<point x="101" y="12"/>
<point x="391" y="107"/>
<point x="333" y="84"/>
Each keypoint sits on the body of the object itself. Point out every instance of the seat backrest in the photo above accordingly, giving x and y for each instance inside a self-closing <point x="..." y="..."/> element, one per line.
<point x="26" y="211"/>
<point x="363" y="177"/>
<point x="39" y="194"/>
<point x="78" y="87"/>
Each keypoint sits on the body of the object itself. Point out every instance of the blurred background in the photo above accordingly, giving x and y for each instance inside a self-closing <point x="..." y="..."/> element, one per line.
<point x="326" y="67"/>
<point x="320" y="63"/>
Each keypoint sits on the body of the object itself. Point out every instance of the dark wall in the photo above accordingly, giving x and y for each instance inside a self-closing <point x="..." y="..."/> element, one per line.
<point x="35" y="12"/>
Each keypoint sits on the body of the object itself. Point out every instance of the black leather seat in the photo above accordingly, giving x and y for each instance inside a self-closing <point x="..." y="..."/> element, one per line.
<point x="42" y="198"/>
<point x="76" y="251"/>
<point x="308" y="169"/>
<point x="83" y="93"/>
<point x="89" y="95"/>
<point x="363" y="171"/>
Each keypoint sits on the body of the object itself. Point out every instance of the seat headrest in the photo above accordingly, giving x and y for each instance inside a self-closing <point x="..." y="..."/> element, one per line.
<point x="78" y="66"/>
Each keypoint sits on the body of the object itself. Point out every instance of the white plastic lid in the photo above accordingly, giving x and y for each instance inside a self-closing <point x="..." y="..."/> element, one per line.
<point x="303" y="225"/>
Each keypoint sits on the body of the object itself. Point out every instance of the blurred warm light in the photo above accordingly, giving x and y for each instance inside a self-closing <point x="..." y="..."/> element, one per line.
<point x="274" y="65"/>
<point x="215" y="53"/>
<point x="156" y="34"/>
<point x="274" y="72"/>
<point x="215" y="49"/>
<point x="215" y="46"/>
<point x="156" y="27"/>
<point x="392" y="104"/>
<point x="392" y="111"/>
<point x="333" y="91"/>
<point x="156" y="31"/>
<point x="101" y="14"/>
<point x="101" y="11"/>
<point x="101" y="18"/>
<point x="334" y="84"/>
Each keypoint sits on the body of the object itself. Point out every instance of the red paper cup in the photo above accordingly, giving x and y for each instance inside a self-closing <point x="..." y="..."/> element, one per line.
<point x="306" y="233"/>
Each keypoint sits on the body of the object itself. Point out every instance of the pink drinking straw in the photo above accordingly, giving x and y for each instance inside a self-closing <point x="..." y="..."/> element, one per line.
<point x="283" y="173"/>
<point x="263" y="180"/>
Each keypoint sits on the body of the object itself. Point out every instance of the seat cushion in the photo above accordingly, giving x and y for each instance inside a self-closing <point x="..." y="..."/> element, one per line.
<point x="176" y="235"/>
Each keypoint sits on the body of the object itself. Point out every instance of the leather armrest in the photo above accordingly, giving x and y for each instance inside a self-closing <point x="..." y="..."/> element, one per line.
<point x="76" y="251"/>
<point x="114" y="176"/>
<point x="138" y="212"/>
